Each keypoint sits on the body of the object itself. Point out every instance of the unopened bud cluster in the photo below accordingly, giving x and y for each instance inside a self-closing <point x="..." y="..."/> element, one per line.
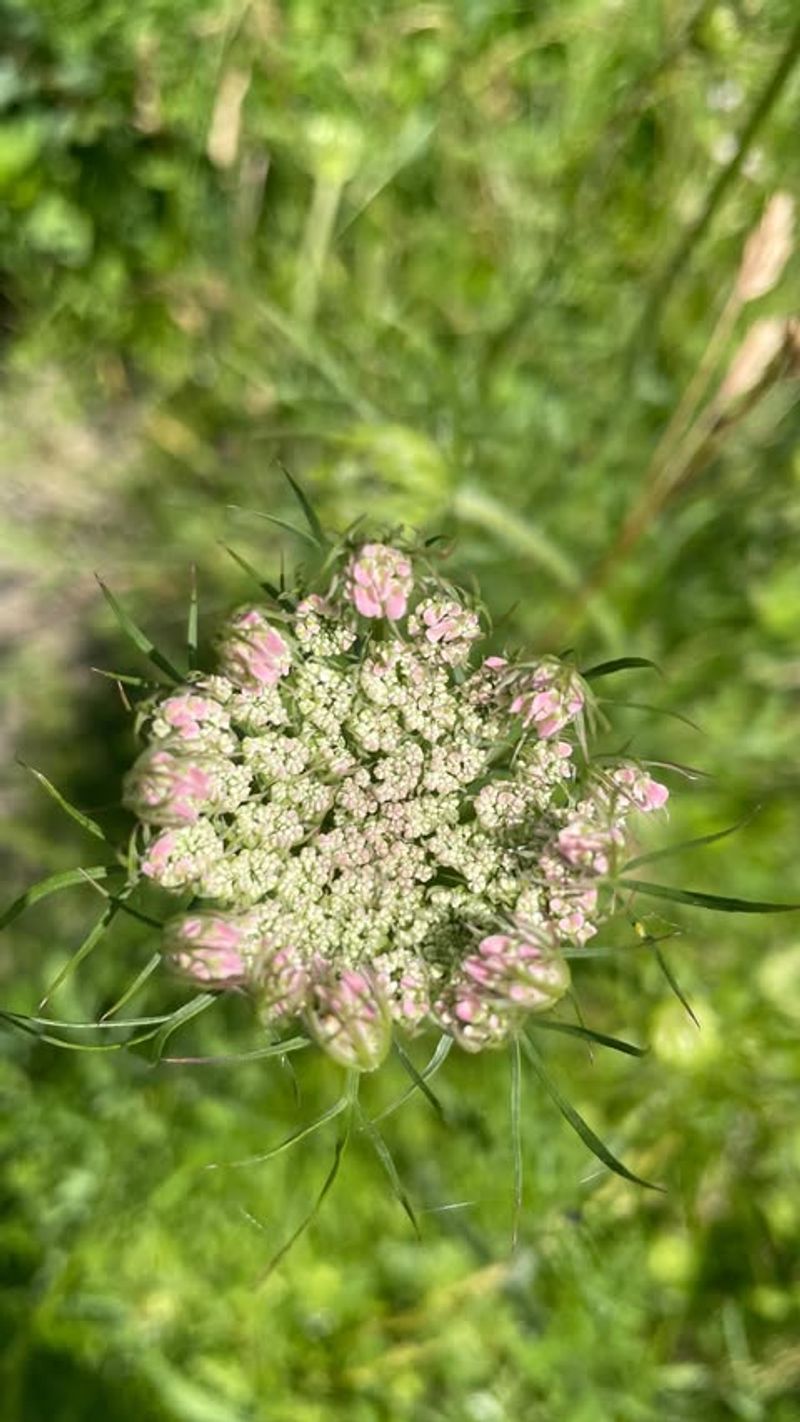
<point x="372" y="824"/>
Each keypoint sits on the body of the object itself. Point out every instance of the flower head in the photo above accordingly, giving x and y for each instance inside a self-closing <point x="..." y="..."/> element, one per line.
<point x="379" y="581"/>
<point x="208" y="947"/>
<point x="252" y="652"/>
<point x="348" y="1016"/>
<point x="374" y="839"/>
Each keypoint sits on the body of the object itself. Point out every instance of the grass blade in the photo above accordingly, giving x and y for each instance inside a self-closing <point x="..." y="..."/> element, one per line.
<point x="718" y="903"/>
<point x="52" y="885"/>
<point x="138" y="637"/>
<point x="618" y="664"/>
<point x="420" y="1082"/>
<point x="312" y="520"/>
<point x="139" y="981"/>
<point x="296" y="1136"/>
<point x="191" y="624"/>
<point x="330" y="1178"/>
<point x="279" y="523"/>
<point x="386" y="1159"/>
<point x="350" y="1101"/>
<point x="89" y="943"/>
<point x="437" y="1060"/>
<point x="23" y="1024"/>
<point x="276" y="1049"/>
<point x="572" y="1029"/>
<point x="268" y="588"/>
<point x="184" y="1014"/>
<point x="515" y="1108"/>
<point x="74" y="813"/>
<point x="576" y="1121"/>
<point x="697" y="843"/>
<point x="654" y="710"/>
<point x="673" y="983"/>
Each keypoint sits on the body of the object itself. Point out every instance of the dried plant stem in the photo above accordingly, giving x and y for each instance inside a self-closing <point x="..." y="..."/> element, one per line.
<point x="320" y="222"/>
<point x="760" y="110"/>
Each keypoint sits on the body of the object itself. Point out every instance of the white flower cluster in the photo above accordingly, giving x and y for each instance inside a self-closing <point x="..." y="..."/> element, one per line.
<point x="372" y="825"/>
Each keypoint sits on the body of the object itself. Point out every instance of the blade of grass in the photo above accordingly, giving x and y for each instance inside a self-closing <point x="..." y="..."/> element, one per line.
<point x="718" y="903"/>
<point x="576" y="1121"/>
<point x="191" y="623"/>
<point x="179" y="1018"/>
<point x="74" y="813"/>
<point x="386" y="1159"/>
<point x="88" y="945"/>
<point x="673" y="982"/>
<point x="419" y="1081"/>
<point x="252" y="572"/>
<point x="276" y="1049"/>
<point x="572" y="1029"/>
<point x="279" y="523"/>
<point x="52" y="885"/>
<point x="129" y="680"/>
<point x="296" y="1136"/>
<point x="437" y="1060"/>
<point x="141" y="978"/>
<point x="654" y="710"/>
<point x="697" y="843"/>
<point x="138" y="637"/>
<point x="515" y="1110"/>
<point x="309" y="511"/>
<point x="330" y="1178"/>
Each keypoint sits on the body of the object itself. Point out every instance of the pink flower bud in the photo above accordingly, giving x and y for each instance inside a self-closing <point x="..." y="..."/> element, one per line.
<point x="208" y="947"/>
<point x="166" y="789"/>
<point x="549" y="697"/>
<point x="348" y="1016"/>
<point x="189" y="717"/>
<point x="588" y="846"/>
<point x="379" y="581"/>
<point x="646" y="793"/>
<point x="251" y="652"/>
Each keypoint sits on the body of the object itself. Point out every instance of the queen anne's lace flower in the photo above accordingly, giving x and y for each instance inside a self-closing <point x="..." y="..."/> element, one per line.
<point x="380" y="832"/>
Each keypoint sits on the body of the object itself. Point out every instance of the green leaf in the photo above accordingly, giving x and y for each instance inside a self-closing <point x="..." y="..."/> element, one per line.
<point x="386" y="1159"/>
<point x="576" y="1121"/>
<point x="572" y="1029"/>
<point x="719" y="903"/>
<point x="312" y="520"/>
<point x="75" y="814"/>
<point x="697" y="843"/>
<point x="138" y="637"/>
<point x="53" y="885"/>
<point x="279" y="523"/>
<point x="618" y="664"/>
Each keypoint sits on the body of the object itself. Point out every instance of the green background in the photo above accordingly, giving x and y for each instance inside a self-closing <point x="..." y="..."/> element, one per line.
<point x="454" y="264"/>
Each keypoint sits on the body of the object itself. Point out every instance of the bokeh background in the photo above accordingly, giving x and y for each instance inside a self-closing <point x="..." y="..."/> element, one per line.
<point x="455" y="264"/>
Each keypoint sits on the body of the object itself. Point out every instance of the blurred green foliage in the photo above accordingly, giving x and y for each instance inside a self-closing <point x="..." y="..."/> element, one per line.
<point x="416" y="252"/>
